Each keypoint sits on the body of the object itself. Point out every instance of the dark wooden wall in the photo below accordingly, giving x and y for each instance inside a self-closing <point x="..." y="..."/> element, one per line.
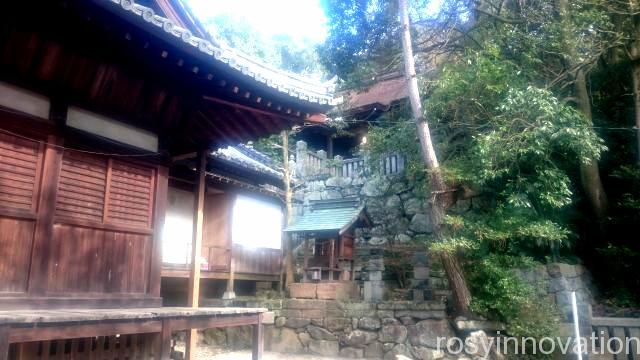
<point x="77" y="228"/>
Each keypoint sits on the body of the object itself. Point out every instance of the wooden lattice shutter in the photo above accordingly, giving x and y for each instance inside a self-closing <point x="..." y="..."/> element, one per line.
<point x="19" y="163"/>
<point x="81" y="187"/>
<point x="130" y="195"/>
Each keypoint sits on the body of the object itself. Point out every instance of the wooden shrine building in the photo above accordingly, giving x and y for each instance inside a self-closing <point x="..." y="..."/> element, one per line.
<point x="328" y="233"/>
<point x="98" y="100"/>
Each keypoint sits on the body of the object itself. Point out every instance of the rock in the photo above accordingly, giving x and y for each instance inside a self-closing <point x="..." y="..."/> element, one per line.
<point x="352" y="353"/>
<point x="420" y="223"/>
<point x="426" y="332"/>
<point x="324" y="347"/>
<point x="398" y="351"/>
<point x="282" y="340"/>
<point x="393" y="333"/>
<point x="373" y="350"/>
<point x="375" y="186"/>
<point x="239" y="337"/>
<point x="319" y="333"/>
<point x="413" y="206"/>
<point x="558" y="284"/>
<point x="477" y="344"/>
<point x="407" y="320"/>
<point x="378" y="240"/>
<point x="331" y="195"/>
<point x="336" y="324"/>
<point x="421" y="314"/>
<point x="423" y="353"/>
<point x="402" y="239"/>
<point x="398" y="225"/>
<point x="317" y="322"/>
<point x="358" y="338"/>
<point x="296" y="323"/>
<point x="561" y="269"/>
<point x="390" y="321"/>
<point x="375" y="209"/>
<point x="369" y="323"/>
<point x="280" y="321"/>
<point x="304" y="338"/>
<point x="338" y="181"/>
<point x="393" y="203"/>
<point x="387" y="346"/>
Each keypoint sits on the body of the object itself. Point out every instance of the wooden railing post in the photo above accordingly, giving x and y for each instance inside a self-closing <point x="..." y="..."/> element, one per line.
<point x="258" y="339"/>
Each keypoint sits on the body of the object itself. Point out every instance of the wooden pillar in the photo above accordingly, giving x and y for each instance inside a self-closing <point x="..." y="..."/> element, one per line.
<point x="329" y="146"/>
<point x="306" y="259"/>
<point x="44" y="221"/>
<point x="162" y="185"/>
<point x="196" y="249"/>
<point x="230" y="294"/>
<point x="332" y="257"/>
<point x="4" y="342"/>
<point x="165" y="341"/>
<point x="258" y="340"/>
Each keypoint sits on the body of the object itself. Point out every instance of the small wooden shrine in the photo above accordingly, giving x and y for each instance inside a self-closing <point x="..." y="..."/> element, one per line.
<point x="328" y="232"/>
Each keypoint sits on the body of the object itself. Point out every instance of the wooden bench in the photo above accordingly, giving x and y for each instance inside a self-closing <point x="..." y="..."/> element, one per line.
<point x="143" y="333"/>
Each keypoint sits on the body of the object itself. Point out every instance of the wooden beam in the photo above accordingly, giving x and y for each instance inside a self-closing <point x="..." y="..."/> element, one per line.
<point x="196" y="249"/>
<point x="257" y="344"/>
<point x="187" y="156"/>
<point x="250" y="109"/>
<point x="218" y="275"/>
<point x="61" y="332"/>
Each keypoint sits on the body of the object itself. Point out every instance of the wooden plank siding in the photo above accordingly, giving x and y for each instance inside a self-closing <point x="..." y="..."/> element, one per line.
<point x="76" y="225"/>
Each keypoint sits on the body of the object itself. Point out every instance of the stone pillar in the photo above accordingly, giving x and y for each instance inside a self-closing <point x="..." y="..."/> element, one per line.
<point x="301" y="157"/>
<point x="338" y="164"/>
<point x="374" y="288"/>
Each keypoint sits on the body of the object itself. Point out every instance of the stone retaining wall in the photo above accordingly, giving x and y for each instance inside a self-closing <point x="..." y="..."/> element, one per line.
<point x="358" y="329"/>
<point x="343" y="328"/>
<point x="556" y="281"/>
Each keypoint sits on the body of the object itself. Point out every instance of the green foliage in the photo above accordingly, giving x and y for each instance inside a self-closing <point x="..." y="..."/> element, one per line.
<point x="271" y="146"/>
<point x="500" y="294"/>
<point x="279" y="50"/>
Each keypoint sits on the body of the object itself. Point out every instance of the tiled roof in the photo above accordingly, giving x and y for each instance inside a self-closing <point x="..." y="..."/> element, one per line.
<point x="383" y="92"/>
<point x="291" y="84"/>
<point x="258" y="162"/>
<point x="334" y="216"/>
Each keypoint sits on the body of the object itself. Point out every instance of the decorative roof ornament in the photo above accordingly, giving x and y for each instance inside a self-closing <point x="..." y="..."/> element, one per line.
<point x="285" y="82"/>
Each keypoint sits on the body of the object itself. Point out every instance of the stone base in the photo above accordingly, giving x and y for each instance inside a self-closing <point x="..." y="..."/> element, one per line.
<point x="343" y="290"/>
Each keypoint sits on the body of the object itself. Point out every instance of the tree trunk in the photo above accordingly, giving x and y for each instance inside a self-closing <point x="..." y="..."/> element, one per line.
<point x="288" y="246"/>
<point x="440" y="196"/>
<point x="636" y="103"/>
<point x="589" y="173"/>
